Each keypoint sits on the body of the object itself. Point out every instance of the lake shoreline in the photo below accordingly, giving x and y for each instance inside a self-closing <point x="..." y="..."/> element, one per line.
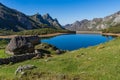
<point x="98" y="32"/>
<point x="56" y="34"/>
<point x="88" y="32"/>
<point x="111" y="34"/>
<point x="41" y="36"/>
<point x="77" y="41"/>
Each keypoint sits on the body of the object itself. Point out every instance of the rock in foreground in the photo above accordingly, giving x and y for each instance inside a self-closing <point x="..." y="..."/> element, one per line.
<point x="21" y="45"/>
<point x="21" y="69"/>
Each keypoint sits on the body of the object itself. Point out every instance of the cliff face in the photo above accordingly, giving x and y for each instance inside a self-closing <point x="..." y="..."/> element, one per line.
<point x="95" y="24"/>
<point x="46" y="20"/>
<point x="11" y="19"/>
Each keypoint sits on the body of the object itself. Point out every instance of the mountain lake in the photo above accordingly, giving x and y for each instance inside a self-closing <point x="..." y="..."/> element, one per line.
<point x="76" y="41"/>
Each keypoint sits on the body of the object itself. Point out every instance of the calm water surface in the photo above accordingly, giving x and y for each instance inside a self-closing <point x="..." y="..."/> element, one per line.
<point x="76" y="41"/>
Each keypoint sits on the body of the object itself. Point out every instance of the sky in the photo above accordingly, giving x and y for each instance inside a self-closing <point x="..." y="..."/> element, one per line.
<point x="66" y="11"/>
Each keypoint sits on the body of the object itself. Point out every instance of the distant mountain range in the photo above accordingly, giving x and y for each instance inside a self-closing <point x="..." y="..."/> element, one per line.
<point x="11" y="19"/>
<point x="95" y="24"/>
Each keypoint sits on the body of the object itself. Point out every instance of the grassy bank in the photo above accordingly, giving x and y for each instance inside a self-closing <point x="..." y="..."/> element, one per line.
<point x="112" y="29"/>
<point x="94" y="63"/>
<point x="41" y="36"/>
<point x="111" y="34"/>
<point x="41" y="31"/>
<point x="44" y="32"/>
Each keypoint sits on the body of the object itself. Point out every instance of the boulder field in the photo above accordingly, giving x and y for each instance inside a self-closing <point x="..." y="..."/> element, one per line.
<point x="23" y="48"/>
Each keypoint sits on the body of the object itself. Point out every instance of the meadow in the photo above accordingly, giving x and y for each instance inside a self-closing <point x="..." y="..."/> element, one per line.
<point x="99" y="62"/>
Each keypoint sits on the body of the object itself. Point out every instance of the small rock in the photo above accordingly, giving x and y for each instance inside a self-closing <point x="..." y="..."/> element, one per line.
<point x="39" y="56"/>
<point x="62" y="76"/>
<point x="80" y="55"/>
<point x="89" y="58"/>
<point x="77" y="56"/>
<point x="22" y="73"/>
<point x="47" y="55"/>
<point x="58" y="51"/>
<point x="46" y="60"/>
<point x="21" y="69"/>
<point x="100" y="47"/>
<point x="37" y="51"/>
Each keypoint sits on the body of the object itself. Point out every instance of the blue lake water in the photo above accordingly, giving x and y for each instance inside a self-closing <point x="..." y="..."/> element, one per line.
<point x="76" y="41"/>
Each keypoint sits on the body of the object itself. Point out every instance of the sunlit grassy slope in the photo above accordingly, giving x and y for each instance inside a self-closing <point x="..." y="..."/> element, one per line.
<point x="100" y="62"/>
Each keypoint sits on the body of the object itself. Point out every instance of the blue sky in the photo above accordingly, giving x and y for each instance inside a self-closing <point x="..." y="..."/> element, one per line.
<point x="66" y="11"/>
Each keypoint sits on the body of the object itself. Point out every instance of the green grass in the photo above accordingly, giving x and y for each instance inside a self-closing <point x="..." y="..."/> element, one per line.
<point x="3" y="44"/>
<point x="43" y="31"/>
<point x="3" y="54"/>
<point x="100" y="62"/>
<point x="40" y="31"/>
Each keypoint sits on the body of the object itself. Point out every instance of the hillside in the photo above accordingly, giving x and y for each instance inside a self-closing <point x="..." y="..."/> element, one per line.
<point x="94" y="63"/>
<point x="11" y="19"/>
<point x="96" y="23"/>
<point x="112" y="29"/>
<point x="47" y="20"/>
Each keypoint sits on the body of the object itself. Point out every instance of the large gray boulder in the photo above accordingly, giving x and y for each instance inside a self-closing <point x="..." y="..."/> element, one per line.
<point x="22" y="44"/>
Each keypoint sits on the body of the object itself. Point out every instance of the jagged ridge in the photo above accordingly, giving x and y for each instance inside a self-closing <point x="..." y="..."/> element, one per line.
<point x="11" y="19"/>
<point x="96" y="23"/>
<point x="47" y="20"/>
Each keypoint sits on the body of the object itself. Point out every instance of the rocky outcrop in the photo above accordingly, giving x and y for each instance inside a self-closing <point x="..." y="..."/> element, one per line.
<point x="47" y="20"/>
<point x="21" y="45"/>
<point x="11" y="19"/>
<point x="47" y="49"/>
<point x="17" y="58"/>
<point x="95" y="24"/>
<point x="22" y="69"/>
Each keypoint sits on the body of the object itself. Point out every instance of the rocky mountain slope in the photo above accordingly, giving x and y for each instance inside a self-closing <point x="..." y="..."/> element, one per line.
<point x="95" y="24"/>
<point x="47" y="20"/>
<point x="11" y="19"/>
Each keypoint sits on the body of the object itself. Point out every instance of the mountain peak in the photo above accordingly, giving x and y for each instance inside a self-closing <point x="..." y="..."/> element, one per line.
<point x="20" y="21"/>
<point x="37" y="15"/>
<point x="118" y="12"/>
<point x="56" y="20"/>
<point x="76" y="22"/>
<point x="96" y="23"/>
<point x="47" y="16"/>
<point x="1" y="4"/>
<point x="46" y="19"/>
